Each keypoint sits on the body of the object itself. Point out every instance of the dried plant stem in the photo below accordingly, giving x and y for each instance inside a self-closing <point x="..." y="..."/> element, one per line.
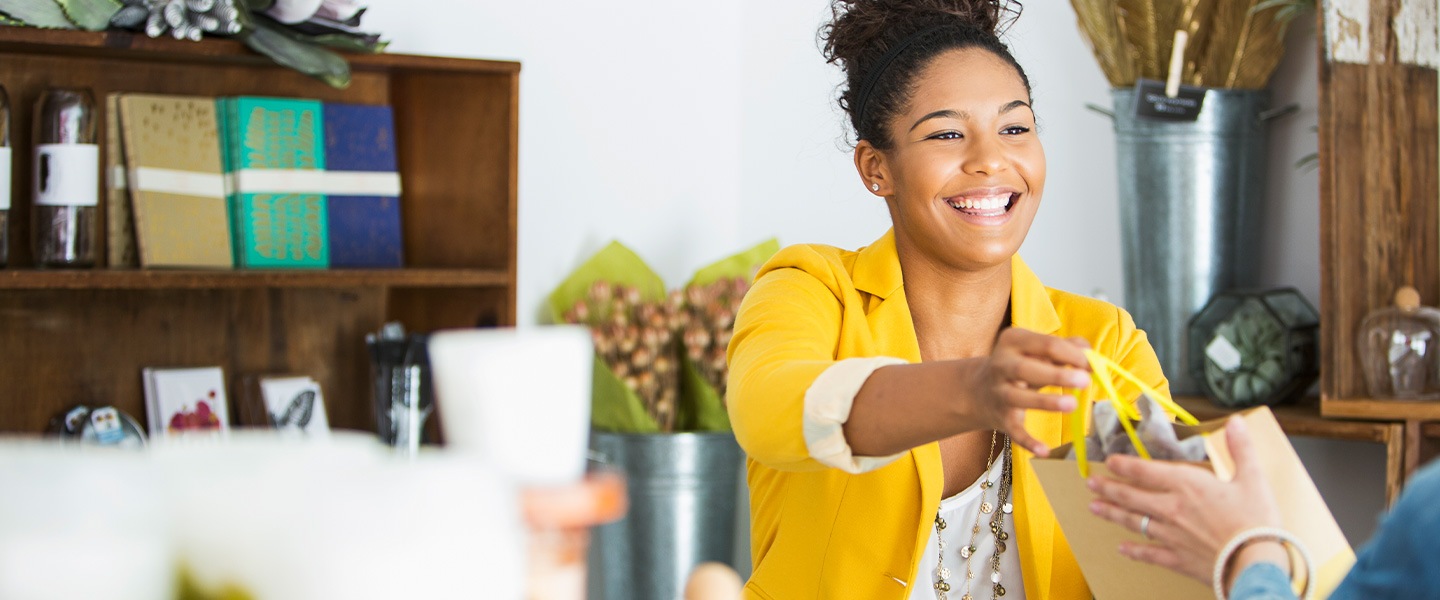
<point x="1232" y="43"/>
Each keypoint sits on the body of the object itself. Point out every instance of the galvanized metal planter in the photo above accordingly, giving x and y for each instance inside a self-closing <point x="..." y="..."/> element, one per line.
<point x="683" y="489"/>
<point x="1191" y="195"/>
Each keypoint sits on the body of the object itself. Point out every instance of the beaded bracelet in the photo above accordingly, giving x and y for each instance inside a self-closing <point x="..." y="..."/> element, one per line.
<point x="1273" y="533"/>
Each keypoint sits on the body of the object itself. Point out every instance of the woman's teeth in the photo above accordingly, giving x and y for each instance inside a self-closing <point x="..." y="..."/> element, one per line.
<point x="986" y="206"/>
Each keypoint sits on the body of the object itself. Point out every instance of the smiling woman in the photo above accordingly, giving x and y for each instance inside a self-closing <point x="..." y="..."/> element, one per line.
<point x="877" y="392"/>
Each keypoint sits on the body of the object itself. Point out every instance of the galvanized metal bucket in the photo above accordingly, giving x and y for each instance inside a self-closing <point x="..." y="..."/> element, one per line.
<point x="683" y="490"/>
<point x="1190" y="209"/>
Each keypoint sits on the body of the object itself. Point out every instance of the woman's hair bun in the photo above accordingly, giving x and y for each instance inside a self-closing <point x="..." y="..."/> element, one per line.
<point x="858" y="25"/>
<point x="986" y="15"/>
<point x="860" y="33"/>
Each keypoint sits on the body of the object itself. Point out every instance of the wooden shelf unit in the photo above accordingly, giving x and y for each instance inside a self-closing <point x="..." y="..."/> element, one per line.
<point x="184" y="279"/>
<point x="83" y="336"/>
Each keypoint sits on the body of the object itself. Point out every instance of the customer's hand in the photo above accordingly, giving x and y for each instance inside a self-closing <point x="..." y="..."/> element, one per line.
<point x="1193" y="514"/>
<point x="1008" y="382"/>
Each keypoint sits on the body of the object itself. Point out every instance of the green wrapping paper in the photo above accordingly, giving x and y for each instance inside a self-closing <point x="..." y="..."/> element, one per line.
<point x="743" y="264"/>
<point x="701" y="407"/>
<point x="613" y="407"/>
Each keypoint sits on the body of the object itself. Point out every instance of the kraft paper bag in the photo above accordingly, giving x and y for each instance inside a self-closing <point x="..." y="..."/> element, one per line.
<point x="1095" y="541"/>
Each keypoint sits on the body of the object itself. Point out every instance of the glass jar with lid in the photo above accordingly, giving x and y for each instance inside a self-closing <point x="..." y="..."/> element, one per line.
<point x="1398" y="351"/>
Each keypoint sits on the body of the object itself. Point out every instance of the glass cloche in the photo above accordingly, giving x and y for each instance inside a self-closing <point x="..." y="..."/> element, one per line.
<point x="1397" y="347"/>
<point x="1249" y="348"/>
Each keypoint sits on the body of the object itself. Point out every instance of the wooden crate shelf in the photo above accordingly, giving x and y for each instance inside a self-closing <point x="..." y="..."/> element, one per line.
<point x="1379" y="187"/>
<point x="82" y="336"/>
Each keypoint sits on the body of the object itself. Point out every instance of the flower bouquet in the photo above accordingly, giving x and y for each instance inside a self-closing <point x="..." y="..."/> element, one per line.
<point x="659" y="357"/>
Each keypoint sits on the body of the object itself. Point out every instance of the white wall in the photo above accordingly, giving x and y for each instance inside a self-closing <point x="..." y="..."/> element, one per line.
<point x="691" y="130"/>
<point x="628" y="124"/>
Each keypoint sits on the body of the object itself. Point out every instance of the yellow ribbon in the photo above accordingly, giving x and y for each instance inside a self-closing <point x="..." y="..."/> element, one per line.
<point x="1102" y="370"/>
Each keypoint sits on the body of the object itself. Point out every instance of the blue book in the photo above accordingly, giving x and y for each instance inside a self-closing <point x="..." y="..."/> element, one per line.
<point x="364" y="222"/>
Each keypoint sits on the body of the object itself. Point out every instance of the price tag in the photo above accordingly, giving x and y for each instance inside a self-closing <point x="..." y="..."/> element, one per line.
<point x="1152" y="103"/>
<point x="1223" y="354"/>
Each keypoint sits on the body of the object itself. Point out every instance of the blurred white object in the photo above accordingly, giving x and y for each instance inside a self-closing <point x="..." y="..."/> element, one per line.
<point x="291" y="12"/>
<point x="276" y="517"/>
<point x="339" y="10"/>
<point x="81" y="524"/>
<point x="518" y="399"/>
<point x="240" y="507"/>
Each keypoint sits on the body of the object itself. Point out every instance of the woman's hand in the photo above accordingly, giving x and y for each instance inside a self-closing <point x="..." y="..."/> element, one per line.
<point x="1193" y="514"/>
<point x="1008" y="381"/>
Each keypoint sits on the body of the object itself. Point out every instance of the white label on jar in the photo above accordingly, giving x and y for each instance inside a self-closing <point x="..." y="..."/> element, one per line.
<point x="67" y="174"/>
<point x="4" y="178"/>
<point x="1223" y="353"/>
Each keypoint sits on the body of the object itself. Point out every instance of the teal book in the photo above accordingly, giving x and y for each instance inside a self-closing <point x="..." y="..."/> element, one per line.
<point x="275" y="159"/>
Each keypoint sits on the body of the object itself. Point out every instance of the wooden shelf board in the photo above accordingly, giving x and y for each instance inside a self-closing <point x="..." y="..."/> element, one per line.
<point x="1301" y="420"/>
<point x="17" y="279"/>
<point x="1380" y="410"/>
<point x="121" y="44"/>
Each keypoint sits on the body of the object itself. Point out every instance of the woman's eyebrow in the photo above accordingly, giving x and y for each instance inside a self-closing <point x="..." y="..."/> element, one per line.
<point x="942" y="114"/>
<point x="965" y="116"/>
<point x="1014" y="104"/>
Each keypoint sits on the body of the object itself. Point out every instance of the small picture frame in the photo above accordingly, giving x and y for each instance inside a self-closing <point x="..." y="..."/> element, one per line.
<point x="292" y="404"/>
<point x="186" y="402"/>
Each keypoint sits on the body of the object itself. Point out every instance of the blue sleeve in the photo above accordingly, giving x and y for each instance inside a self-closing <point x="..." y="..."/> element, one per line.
<point x="1393" y="564"/>
<point x="1262" y="581"/>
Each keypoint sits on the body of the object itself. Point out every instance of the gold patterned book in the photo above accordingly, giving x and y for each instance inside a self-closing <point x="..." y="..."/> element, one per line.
<point x="177" y="185"/>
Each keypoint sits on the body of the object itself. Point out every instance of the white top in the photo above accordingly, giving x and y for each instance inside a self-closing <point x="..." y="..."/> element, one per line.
<point x="827" y="406"/>
<point x="959" y="512"/>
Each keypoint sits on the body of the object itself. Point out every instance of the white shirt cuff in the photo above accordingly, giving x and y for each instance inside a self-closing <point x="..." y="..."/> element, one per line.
<point x="827" y="408"/>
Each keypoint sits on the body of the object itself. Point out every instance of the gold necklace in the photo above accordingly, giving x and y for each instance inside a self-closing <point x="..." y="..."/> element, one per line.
<point x="942" y="574"/>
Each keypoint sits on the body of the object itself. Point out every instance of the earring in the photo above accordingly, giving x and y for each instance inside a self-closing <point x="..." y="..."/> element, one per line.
<point x="874" y="187"/>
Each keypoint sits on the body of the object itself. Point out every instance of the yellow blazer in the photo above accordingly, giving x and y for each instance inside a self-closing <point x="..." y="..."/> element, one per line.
<point x="818" y="532"/>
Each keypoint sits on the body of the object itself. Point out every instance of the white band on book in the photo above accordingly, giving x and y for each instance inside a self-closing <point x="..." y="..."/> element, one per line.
<point x="314" y="181"/>
<point x="183" y="183"/>
<point x="119" y="178"/>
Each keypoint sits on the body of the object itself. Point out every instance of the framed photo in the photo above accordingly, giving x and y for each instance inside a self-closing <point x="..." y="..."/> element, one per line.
<point x="186" y="402"/>
<point x="290" y="403"/>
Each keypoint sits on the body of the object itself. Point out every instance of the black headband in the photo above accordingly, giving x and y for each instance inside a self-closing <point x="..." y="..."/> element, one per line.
<point x="884" y="63"/>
